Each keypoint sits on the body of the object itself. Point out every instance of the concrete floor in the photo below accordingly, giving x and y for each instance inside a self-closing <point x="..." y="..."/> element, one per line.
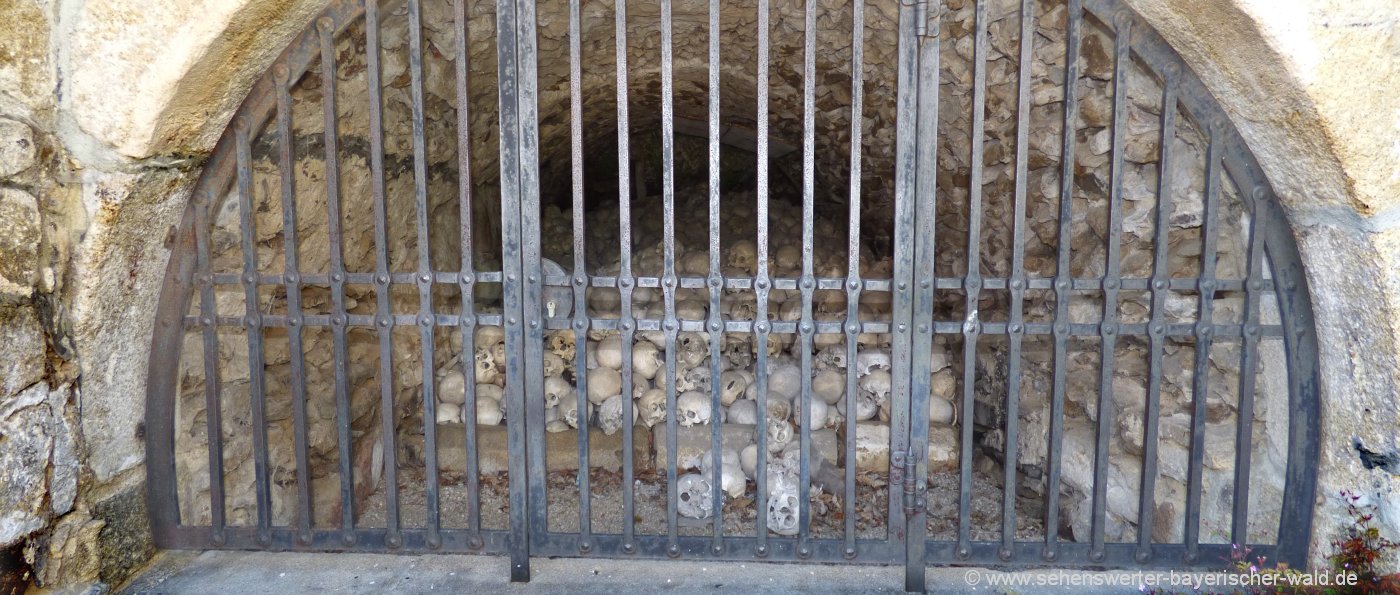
<point x="251" y="573"/>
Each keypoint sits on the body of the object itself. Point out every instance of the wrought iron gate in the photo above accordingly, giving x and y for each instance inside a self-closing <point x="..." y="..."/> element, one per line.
<point x="537" y="298"/>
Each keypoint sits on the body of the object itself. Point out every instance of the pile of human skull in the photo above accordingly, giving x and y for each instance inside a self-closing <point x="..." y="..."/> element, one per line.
<point x="604" y="355"/>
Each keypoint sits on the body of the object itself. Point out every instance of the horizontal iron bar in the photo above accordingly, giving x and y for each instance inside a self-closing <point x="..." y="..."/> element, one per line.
<point x="454" y="541"/>
<point x="1076" y="555"/>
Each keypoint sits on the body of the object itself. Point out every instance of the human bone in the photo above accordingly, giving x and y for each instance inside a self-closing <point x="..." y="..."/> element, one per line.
<point x="489" y="336"/>
<point x="829" y="386"/>
<point x="748" y="461"/>
<point x="694" y="496"/>
<point x="498" y="355"/>
<point x="562" y="343"/>
<point x="832" y="358"/>
<point x="816" y="412"/>
<point x="449" y="413"/>
<point x="743" y="411"/>
<point x="570" y="414"/>
<point x="553" y="364"/>
<point x="488" y="411"/>
<point x="779" y="434"/>
<point x="486" y="371"/>
<point x="732" y="478"/>
<point x="691" y="309"/>
<point x="732" y="385"/>
<point x="556" y="389"/>
<point x="452" y="386"/>
<point x="787" y="260"/>
<point x="489" y="391"/>
<point x="870" y="361"/>
<point x="603" y="382"/>
<point x="694" y="379"/>
<point x="876" y="386"/>
<point x="785" y="380"/>
<point x="652" y="407"/>
<point x="743" y="254"/>
<point x="691" y="349"/>
<point x="640" y="385"/>
<point x="646" y="359"/>
<point x="610" y="352"/>
<point x="693" y="408"/>
<point x="942" y="411"/>
<point x="610" y="415"/>
<point x="782" y="511"/>
<point x="779" y="408"/>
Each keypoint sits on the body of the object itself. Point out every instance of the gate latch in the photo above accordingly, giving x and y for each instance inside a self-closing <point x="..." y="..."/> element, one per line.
<point x="904" y="474"/>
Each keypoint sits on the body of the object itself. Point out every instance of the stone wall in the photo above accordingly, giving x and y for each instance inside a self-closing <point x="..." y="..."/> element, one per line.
<point x="145" y="90"/>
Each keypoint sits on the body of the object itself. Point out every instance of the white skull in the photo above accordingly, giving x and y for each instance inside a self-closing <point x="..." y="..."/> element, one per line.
<point x="693" y="408"/>
<point x="942" y="411"/>
<point x="647" y="360"/>
<point x="486" y="371"/>
<point x="944" y="384"/>
<point x="694" y="379"/>
<point x="785" y="380"/>
<point x="652" y="407"/>
<point x="787" y="260"/>
<point x="691" y="310"/>
<point x="452" y="386"/>
<point x="556" y="389"/>
<point x="743" y="254"/>
<point x="694" y="497"/>
<point x="744" y="412"/>
<point x="816" y="412"/>
<point x="569" y="412"/>
<point x="731" y="472"/>
<point x="779" y="408"/>
<point x="776" y="344"/>
<point x="834" y="416"/>
<point x="604" y="299"/>
<point x="498" y="355"/>
<point x="829" y="386"/>
<point x="610" y="415"/>
<point x="640" y="385"/>
<point x="553" y="364"/>
<point x="732" y="384"/>
<point x="609" y="352"/>
<point x="748" y="461"/>
<point x="449" y="413"/>
<point x="561" y="343"/>
<point x="691" y="349"/>
<point x="779" y="434"/>
<point x="742" y="307"/>
<point x="603" y="383"/>
<point x="876" y="386"/>
<point x="832" y="358"/>
<point x="488" y="411"/>
<point x="782" y="512"/>
<point x="489" y="336"/>
<point x="870" y="361"/>
<point x="736" y="351"/>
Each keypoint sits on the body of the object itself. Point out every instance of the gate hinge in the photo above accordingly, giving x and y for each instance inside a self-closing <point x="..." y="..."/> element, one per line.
<point x="926" y="14"/>
<point x="905" y="476"/>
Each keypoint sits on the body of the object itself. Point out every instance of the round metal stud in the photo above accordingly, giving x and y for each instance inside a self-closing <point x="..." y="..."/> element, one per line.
<point x="1203" y="329"/>
<point x="716" y="326"/>
<point x="512" y="320"/>
<point x="850" y="553"/>
<point x="1109" y="329"/>
<point x="1257" y="285"/>
<point x="347" y="538"/>
<point x="581" y="324"/>
<point x="1191" y="557"/>
<point x="964" y="553"/>
<point x="476" y="543"/>
<point x="206" y="321"/>
<point x="1016" y="328"/>
<point x="1159" y="284"/>
<point x="761" y="284"/>
<point x="1061" y="329"/>
<point x="281" y="73"/>
<point x="761" y="551"/>
<point x="1049" y="555"/>
<point x="1142" y="556"/>
<point x="1207" y="286"/>
<point x="923" y="327"/>
<point x="804" y="552"/>
<point x="673" y="551"/>
<point x="303" y="538"/>
<point x="903" y="327"/>
<point x="393" y="541"/>
<point x="338" y="277"/>
<point x="924" y="284"/>
<point x="1005" y="554"/>
<point x="1062" y="284"/>
<point x="717" y="550"/>
<point x="669" y="282"/>
<point x="624" y="282"/>
<point x="1096" y="555"/>
<point x="1110" y="284"/>
<point x="1173" y="70"/>
<point x="670" y="325"/>
<point x="252" y="321"/>
<point x="1252" y="330"/>
<point x="1260" y="193"/>
<point x="580" y="280"/>
<point x="1018" y="284"/>
<point x="510" y="278"/>
<point x="903" y="286"/>
<point x="853" y="284"/>
<point x="629" y="548"/>
<point x="324" y="24"/>
<point x="218" y="538"/>
<point x="808" y="284"/>
<point x="625" y="325"/>
<point x="762" y="326"/>
<point x="382" y="321"/>
<point x="716" y="282"/>
<point x="853" y="328"/>
<point x="532" y="279"/>
<point x="806" y="328"/>
<point x="973" y="284"/>
<point x="534" y="324"/>
<point x="425" y="278"/>
<point x="585" y="546"/>
<point x="250" y="278"/>
<point x="425" y="321"/>
<point x="338" y="320"/>
<point x="1158" y="329"/>
<point x="382" y="279"/>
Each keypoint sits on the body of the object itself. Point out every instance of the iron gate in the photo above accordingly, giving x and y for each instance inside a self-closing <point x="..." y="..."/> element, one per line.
<point x="536" y="298"/>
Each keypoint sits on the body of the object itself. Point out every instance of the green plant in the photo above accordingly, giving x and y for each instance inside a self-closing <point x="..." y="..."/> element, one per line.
<point x="1360" y="547"/>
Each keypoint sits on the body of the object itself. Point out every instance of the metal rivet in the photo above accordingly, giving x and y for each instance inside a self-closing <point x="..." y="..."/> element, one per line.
<point x="624" y="283"/>
<point x="534" y="324"/>
<point x="581" y="324"/>
<point x="1096" y="556"/>
<point x="324" y="23"/>
<point x="903" y="286"/>
<point x="510" y="278"/>
<point x="853" y="328"/>
<point x="761" y="284"/>
<point x="338" y="278"/>
<point x="850" y="553"/>
<point x="1191" y="557"/>
<point x="923" y="328"/>
<point x="425" y="278"/>
<point x="1109" y="329"/>
<point x="293" y="279"/>
<point x="1062" y="329"/>
<point x="1260" y="192"/>
<point x="628" y="548"/>
<point x="1110" y="284"/>
<point x="761" y="327"/>
<point x="1004" y="554"/>
<point x="1062" y="284"/>
<point x="338" y="320"/>
<point x="348" y="539"/>
<point x="476" y="543"/>
<point x="585" y="547"/>
<point x="761" y="551"/>
<point x="626" y="326"/>
<point x="673" y="551"/>
<point x="1203" y="329"/>
<point x="670" y="325"/>
<point x="806" y="328"/>
<point x="974" y="284"/>
<point x="669" y="282"/>
<point x="218" y="538"/>
<point x="250" y="278"/>
<point x="1015" y="329"/>
<point x="383" y="321"/>
<point x="964" y="552"/>
<point x="903" y="327"/>
<point x="1159" y="284"/>
<point x="425" y="321"/>
<point x="394" y="541"/>
<point x="804" y="552"/>
<point x="511" y="320"/>
<point x="206" y="321"/>
<point x="580" y="281"/>
<point x="1173" y="70"/>
<point x="853" y="285"/>
<point x="1018" y="284"/>
<point x="716" y="326"/>
<point x="1207" y="285"/>
<point x="252" y="322"/>
<point x="1252" y="330"/>
<point x="1159" y="329"/>
<point x="1049" y="555"/>
<point x="716" y="282"/>
<point x="382" y="279"/>
<point x="532" y="279"/>
<point x="1142" y="557"/>
<point x="281" y="73"/>
<point x="717" y="550"/>
<point x="1257" y="285"/>
<point x="808" y="284"/>
<point x="206" y="279"/>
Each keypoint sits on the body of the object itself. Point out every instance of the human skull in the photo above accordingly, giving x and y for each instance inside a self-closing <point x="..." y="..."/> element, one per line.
<point x="640" y="385"/>
<point x="691" y="310"/>
<point x="787" y="260"/>
<point x="829" y="386"/>
<point x="776" y="344"/>
<point x="782" y="512"/>
<point x="731" y="472"/>
<point x="610" y="415"/>
<point x="732" y="384"/>
<point x="603" y="383"/>
<point x="489" y="336"/>
<point x="647" y="360"/>
<point x="556" y="389"/>
<point x="488" y="411"/>
<point x="779" y="434"/>
<point x="748" y="461"/>
<point x="868" y="362"/>
<point x="779" y="408"/>
<point x="832" y="358"/>
<point x="876" y="386"/>
<point x="553" y="364"/>
<point x="562" y="344"/>
<point x="693" y="408"/>
<point x="486" y="371"/>
<point x="694" y="379"/>
<point x="692" y="348"/>
<point x="942" y="411"/>
<point x="694" y="496"/>
<point x="610" y="352"/>
<point x="696" y="263"/>
<point x="652" y="407"/>
<point x="743" y="254"/>
<point x="816" y="412"/>
<point x="449" y="413"/>
<point x="604" y="299"/>
<point x="742" y="308"/>
<point x="743" y="411"/>
<point x="569" y="412"/>
<point x="452" y="386"/>
<point x="785" y="380"/>
<point x="498" y="356"/>
<point x="736" y="351"/>
<point x="834" y="417"/>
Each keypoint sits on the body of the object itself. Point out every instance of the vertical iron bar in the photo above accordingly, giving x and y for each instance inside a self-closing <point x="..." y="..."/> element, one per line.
<point x="1016" y="318"/>
<point x="972" y="325"/>
<point x="716" y="281"/>
<point x="466" y="277"/>
<point x="925" y="272"/>
<point x="213" y="407"/>
<point x="383" y="310"/>
<point x="585" y="524"/>
<point x="295" y="318"/>
<point x="252" y="323"/>
<point x="1200" y="380"/>
<point x="426" y="319"/>
<point x="760" y="283"/>
<point x="533" y="311"/>
<point x="808" y="281"/>
<point x="626" y="321"/>
<point x="1156" y="329"/>
<point x="512" y="284"/>
<point x="668" y="281"/>
<point x="1063" y="283"/>
<point x="905" y="189"/>
<point x="337" y="266"/>
<point x="1249" y="361"/>
<point x="853" y="282"/>
<point x="1108" y="330"/>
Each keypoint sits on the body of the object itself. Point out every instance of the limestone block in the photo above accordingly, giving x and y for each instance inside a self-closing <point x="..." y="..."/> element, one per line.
<point x="25" y="421"/>
<point x="16" y="147"/>
<point x="19" y="217"/>
<point x="26" y="75"/>
<point x="23" y="338"/>
<point x="73" y="554"/>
